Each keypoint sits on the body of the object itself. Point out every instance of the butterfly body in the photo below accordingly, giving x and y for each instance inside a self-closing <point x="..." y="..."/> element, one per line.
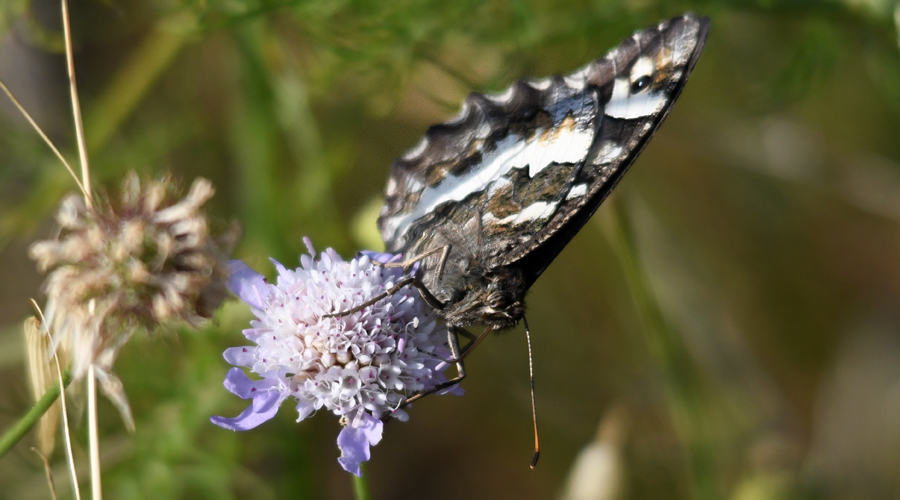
<point x="482" y="296"/>
<point x="492" y="196"/>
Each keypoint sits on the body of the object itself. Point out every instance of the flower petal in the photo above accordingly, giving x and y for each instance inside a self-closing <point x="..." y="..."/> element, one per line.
<point x="388" y="258"/>
<point x="372" y="427"/>
<point x="354" y="442"/>
<point x="265" y="406"/>
<point x="382" y="257"/>
<point x="279" y="267"/>
<point x="112" y="387"/>
<point x="305" y="408"/>
<point x="456" y="390"/>
<point x="268" y="402"/>
<point x="240" y="356"/>
<point x="248" y="284"/>
<point x="238" y="383"/>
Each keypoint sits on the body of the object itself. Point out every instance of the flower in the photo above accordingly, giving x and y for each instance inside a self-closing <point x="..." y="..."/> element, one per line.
<point x="359" y="366"/>
<point x="122" y="264"/>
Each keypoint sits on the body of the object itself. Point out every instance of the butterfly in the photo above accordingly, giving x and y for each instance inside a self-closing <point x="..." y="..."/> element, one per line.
<point x="487" y="200"/>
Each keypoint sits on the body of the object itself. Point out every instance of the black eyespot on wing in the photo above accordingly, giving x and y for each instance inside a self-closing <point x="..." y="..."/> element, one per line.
<point x="641" y="84"/>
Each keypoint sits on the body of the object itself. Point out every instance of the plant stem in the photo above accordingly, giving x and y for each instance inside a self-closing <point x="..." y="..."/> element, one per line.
<point x="685" y="385"/>
<point x="93" y="438"/>
<point x="70" y="457"/>
<point x="361" y="485"/>
<point x="15" y="433"/>
<point x="41" y="133"/>
<point x="76" y="107"/>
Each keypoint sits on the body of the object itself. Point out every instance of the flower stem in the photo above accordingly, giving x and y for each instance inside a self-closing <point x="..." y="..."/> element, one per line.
<point x="76" y="107"/>
<point x="70" y="457"/>
<point x="15" y="433"/>
<point x="93" y="438"/>
<point x="41" y="133"/>
<point x="361" y="485"/>
<point x="686" y="386"/>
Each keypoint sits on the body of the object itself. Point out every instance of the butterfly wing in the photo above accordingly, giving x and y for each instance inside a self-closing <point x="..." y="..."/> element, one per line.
<point x="514" y="176"/>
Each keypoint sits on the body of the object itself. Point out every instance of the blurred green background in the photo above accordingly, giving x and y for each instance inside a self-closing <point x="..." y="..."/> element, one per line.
<point x="730" y="315"/>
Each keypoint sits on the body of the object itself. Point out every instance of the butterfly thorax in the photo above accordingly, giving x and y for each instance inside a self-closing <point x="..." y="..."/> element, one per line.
<point x="478" y="297"/>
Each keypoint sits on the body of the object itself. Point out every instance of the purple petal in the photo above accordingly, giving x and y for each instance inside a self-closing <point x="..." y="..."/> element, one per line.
<point x="238" y="383"/>
<point x="278" y="266"/>
<point x="354" y="442"/>
<point x="265" y="406"/>
<point x="268" y="402"/>
<point x="388" y="258"/>
<point x="372" y="427"/>
<point x="240" y="356"/>
<point x="456" y="390"/>
<point x="248" y="284"/>
<point x="382" y="257"/>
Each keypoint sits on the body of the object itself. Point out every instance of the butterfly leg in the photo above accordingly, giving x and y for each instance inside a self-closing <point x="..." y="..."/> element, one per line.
<point x="429" y="299"/>
<point x="465" y="351"/>
<point x="444" y="250"/>
<point x="453" y="340"/>
<point x="468" y="335"/>
<point x="409" y="262"/>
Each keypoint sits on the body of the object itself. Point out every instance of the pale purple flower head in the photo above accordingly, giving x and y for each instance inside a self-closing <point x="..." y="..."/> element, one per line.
<point x="358" y="366"/>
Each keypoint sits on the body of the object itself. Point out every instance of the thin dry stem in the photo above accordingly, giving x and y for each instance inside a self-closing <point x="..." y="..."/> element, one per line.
<point x="43" y="136"/>
<point x="93" y="438"/>
<point x="48" y="472"/>
<point x="70" y="457"/>
<point x="86" y="180"/>
<point x="76" y="106"/>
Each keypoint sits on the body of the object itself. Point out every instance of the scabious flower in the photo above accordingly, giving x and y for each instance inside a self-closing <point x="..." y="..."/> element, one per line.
<point x="360" y="366"/>
<point x="122" y="264"/>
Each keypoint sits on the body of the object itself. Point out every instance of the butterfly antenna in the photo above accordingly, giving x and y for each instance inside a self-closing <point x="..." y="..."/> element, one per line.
<point x="537" y="441"/>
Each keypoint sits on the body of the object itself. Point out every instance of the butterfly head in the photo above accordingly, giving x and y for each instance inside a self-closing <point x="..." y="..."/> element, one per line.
<point x="495" y="298"/>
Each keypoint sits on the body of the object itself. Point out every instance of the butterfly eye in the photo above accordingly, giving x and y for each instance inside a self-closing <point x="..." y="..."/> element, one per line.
<point x="498" y="301"/>
<point x="641" y="83"/>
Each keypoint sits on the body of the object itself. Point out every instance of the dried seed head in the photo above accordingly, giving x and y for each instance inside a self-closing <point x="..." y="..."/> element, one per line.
<point x="143" y="259"/>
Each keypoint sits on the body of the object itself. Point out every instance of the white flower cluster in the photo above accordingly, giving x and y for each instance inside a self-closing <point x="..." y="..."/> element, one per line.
<point x="368" y="360"/>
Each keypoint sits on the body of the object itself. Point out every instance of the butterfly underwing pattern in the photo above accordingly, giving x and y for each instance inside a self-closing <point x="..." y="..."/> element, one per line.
<point x="492" y="196"/>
